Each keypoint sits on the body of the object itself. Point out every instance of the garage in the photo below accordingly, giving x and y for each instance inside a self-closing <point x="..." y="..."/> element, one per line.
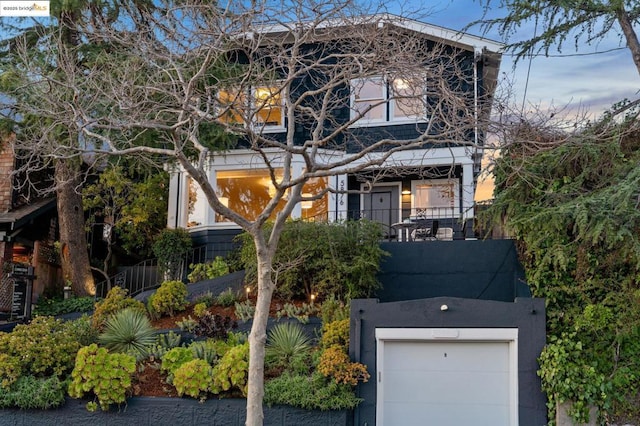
<point x="437" y="376"/>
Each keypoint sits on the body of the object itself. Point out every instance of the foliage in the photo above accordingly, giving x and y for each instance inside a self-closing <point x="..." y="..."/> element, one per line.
<point x="323" y="259"/>
<point x="44" y="347"/>
<point x="174" y="359"/>
<point x="301" y="313"/>
<point x="135" y="203"/>
<point x="335" y="363"/>
<point x="171" y="247"/>
<point x="29" y="392"/>
<point x="199" y="309"/>
<point x="57" y="306"/>
<point x="187" y="324"/>
<point x="116" y="300"/>
<point x="171" y="297"/>
<point x="128" y="331"/>
<point x="106" y="375"/>
<point x="335" y="333"/>
<point x="288" y="347"/>
<point x="207" y="271"/>
<point x="245" y="310"/>
<point x="232" y="370"/>
<point x="164" y="343"/>
<point x="82" y="330"/>
<point x="207" y="298"/>
<point x="572" y="204"/>
<point x="313" y="392"/>
<point x="227" y="298"/>
<point x="193" y="378"/>
<point x="333" y="309"/>
<point x="209" y="350"/>
<point x="214" y="326"/>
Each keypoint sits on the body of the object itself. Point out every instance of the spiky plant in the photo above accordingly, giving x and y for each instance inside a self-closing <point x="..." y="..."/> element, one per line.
<point x="128" y="331"/>
<point x="287" y="345"/>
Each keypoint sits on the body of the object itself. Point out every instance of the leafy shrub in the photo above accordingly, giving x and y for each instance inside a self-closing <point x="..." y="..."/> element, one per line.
<point x="164" y="343"/>
<point x="30" y="392"/>
<point x="106" y="375"/>
<point x="208" y="271"/>
<point x="56" y="306"/>
<point x="335" y="363"/>
<point x="209" y="350"/>
<point x="336" y="333"/>
<point x="82" y="330"/>
<point x="339" y="258"/>
<point x="115" y="301"/>
<point x="171" y="248"/>
<point x="245" y="310"/>
<point x="128" y="331"/>
<point x="171" y="297"/>
<point x="232" y="370"/>
<point x="227" y="298"/>
<point x="174" y="359"/>
<point x="333" y="309"/>
<point x="301" y="313"/>
<point x="44" y="347"/>
<point x="199" y="309"/>
<point x="214" y="326"/>
<point x="187" y="324"/>
<point x="207" y="298"/>
<point x="288" y="347"/>
<point x="313" y="392"/>
<point x="193" y="378"/>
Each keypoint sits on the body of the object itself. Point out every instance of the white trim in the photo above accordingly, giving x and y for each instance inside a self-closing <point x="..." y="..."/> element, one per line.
<point x="397" y="184"/>
<point x="508" y="335"/>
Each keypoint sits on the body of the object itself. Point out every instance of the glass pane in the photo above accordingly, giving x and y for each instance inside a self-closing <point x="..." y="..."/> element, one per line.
<point x="315" y="210"/>
<point x="369" y="89"/>
<point x="375" y="113"/>
<point x="409" y="100"/>
<point x="246" y="191"/>
<point x="435" y="195"/>
<point x="230" y="106"/>
<point x="269" y="104"/>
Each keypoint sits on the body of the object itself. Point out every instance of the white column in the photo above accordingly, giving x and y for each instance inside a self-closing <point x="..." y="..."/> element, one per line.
<point x="175" y="201"/>
<point x="468" y="191"/>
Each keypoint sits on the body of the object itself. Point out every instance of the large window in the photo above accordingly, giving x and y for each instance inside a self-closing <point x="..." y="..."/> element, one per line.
<point x="265" y="102"/>
<point x="388" y="100"/>
<point x="245" y="191"/>
<point x="438" y="197"/>
<point x="316" y="210"/>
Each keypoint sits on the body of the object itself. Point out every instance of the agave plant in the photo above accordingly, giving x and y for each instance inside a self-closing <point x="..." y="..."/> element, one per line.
<point x="128" y="331"/>
<point x="285" y="342"/>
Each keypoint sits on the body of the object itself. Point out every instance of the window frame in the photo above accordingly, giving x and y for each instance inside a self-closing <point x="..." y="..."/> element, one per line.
<point x="248" y="101"/>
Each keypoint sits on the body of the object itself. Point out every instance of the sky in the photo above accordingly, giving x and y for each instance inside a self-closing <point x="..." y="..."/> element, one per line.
<point x="584" y="83"/>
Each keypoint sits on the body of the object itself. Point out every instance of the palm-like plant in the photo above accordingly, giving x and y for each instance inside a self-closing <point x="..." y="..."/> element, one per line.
<point x="128" y="331"/>
<point x="285" y="342"/>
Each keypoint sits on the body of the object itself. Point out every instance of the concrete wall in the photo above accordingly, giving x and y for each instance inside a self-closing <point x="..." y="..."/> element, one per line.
<point x="171" y="412"/>
<point x="472" y="269"/>
<point x="526" y="314"/>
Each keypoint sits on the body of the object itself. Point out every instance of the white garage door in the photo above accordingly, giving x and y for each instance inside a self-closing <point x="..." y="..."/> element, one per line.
<point x="447" y="377"/>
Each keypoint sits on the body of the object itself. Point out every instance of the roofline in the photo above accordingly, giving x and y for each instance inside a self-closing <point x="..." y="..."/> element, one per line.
<point x="471" y="42"/>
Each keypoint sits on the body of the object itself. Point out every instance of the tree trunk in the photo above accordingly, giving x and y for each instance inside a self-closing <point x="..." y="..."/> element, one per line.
<point x="73" y="243"/>
<point x="258" y="338"/>
<point x="630" y="35"/>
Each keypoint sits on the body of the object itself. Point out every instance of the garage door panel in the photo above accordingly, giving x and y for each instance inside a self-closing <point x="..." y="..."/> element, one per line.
<point x="439" y="415"/>
<point x="439" y="387"/>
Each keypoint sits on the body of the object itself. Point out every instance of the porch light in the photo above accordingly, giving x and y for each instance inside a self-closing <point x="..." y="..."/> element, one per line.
<point x="406" y="192"/>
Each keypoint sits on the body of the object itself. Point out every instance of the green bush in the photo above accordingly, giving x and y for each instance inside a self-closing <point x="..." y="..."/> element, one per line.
<point x="163" y="344"/>
<point x="227" y="298"/>
<point x="232" y="370"/>
<point x="44" y="347"/>
<point x="193" y="378"/>
<point x="106" y="375"/>
<point x="115" y="301"/>
<point x="339" y="258"/>
<point x="29" y="392"/>
<point x="56" y="306"/>
<point x="288" y="347"/>
<point x="334" y="309"/>
<point x="209" y="350"/>
<point x="171" y="248"/>
<point x="208" y="271"/>
<point x="336" y="333"/>
<point x="245" y="310"/>
<point x="301" y="313"/>
<point x="313" y="392"/>
<point x="170" y="298"/>
<point x="173" y="359"/>
<point x="128" y="331"/>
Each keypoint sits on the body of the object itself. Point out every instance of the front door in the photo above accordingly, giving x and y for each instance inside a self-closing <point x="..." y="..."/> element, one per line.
<point x="381" y="205"/>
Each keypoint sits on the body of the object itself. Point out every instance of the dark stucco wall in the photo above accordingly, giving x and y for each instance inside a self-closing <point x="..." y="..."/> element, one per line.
<point x="526" y="314"/>
<point x="473" y="269"/>
<point x="171" y="412"/>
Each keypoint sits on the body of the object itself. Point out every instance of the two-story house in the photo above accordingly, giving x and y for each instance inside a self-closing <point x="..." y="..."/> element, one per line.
<point x="441" y="106"/>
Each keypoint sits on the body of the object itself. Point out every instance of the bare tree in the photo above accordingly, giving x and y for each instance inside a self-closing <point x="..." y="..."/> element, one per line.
<point x="184" y="74"/>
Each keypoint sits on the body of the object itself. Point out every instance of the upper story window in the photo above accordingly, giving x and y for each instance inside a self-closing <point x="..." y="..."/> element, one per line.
<point x="387" y="100"/>
<point x="265" y="102"/>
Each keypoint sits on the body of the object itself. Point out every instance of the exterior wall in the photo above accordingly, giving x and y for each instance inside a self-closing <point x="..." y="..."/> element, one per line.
<point x="7" y="162"/>
<point x="487" y="270"/>
<point x="527" y="315"/>
<point x="171" y="412"/>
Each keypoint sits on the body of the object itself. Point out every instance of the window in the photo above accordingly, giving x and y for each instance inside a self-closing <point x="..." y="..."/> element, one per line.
<point x="435" y="198"/>
<point x="387" y="100"/>
<point x="266" y="100"/>
<point x="316" y="210"/>
<point x="245" y="191"/>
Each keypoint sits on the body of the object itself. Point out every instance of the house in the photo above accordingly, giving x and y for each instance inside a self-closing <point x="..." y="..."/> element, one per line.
<point x="434" y="180"/>
<point x="28" y="229"/>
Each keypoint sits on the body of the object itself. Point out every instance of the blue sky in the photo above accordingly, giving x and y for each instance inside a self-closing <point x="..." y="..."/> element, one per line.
<point x="591" y="82"/>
